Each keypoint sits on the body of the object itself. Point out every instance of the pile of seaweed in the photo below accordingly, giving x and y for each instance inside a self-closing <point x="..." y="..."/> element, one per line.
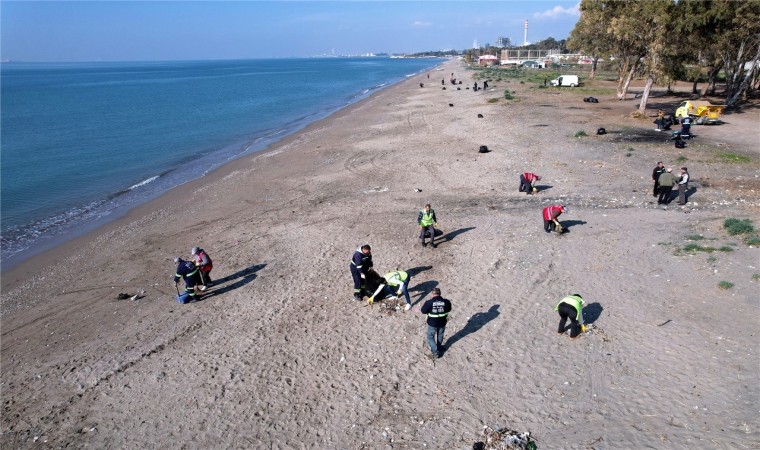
<point x="503" y="439"/>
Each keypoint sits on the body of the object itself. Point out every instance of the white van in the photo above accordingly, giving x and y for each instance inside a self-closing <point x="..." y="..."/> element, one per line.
<point x="565" y="80"/>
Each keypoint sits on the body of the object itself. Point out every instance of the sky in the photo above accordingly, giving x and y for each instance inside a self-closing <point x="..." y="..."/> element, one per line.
<point x="57" y="31"/>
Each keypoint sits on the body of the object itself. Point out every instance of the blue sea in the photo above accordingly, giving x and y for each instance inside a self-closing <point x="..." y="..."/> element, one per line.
<point x="82" y="143"/>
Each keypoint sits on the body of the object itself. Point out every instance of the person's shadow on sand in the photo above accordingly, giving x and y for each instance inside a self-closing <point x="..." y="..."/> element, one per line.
<point x="451" y="235"/>
<point x="425" y="288"/>
<point x="476" y="322"/>
<point x="413" y="272"/>
<point x="543" y="187"/>
<point x="243" y="277"/>
<point x="566" y="224"/>
<point x="591" y="312"/>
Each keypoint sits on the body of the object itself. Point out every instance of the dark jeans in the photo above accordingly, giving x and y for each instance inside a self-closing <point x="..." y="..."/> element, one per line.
<point x="358" y="282"/>
<point x="190" y="283"/>
<point x="568" y="312"/>
<point x="682" y="188"/>
<point x="391" y="290"/>
<point x="664" y="197"/>
<point x="205" y="277"/>
<point x="656" y="188"/>
<point x="435" y="339"/>
<point x="429" y="229"/>
<point x="549" y="226"/>
<point x="660" y="124"/>
<point x="524" y="185"/>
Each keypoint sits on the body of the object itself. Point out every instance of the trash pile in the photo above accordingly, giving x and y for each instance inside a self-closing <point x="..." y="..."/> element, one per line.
<point x="503" y="439"/>
<point x="391" y="305"/>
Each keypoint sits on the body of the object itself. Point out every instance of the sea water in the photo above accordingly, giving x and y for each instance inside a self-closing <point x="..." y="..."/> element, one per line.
<point x="82" y="143"/>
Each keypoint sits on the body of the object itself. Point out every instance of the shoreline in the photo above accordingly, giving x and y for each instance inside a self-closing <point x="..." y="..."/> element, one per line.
<point x="277" y="354"/>
<point x="49" y="244"/>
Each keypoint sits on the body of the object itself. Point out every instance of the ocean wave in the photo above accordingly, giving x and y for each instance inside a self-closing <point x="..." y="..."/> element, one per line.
<point x="143" y="182"/>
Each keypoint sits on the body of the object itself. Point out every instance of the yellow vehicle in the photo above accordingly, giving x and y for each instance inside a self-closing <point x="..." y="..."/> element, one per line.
<point x="700" y="110"/>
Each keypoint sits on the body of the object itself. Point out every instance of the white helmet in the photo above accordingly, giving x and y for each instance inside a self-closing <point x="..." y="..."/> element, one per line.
<point x="194" y="250"/>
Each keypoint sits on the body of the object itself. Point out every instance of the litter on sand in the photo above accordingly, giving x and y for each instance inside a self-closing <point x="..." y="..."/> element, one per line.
<point x="391" y="305"/>
<point x="503" y="439"/>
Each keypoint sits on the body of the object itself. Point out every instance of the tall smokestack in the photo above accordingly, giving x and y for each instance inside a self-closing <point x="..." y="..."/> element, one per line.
<point x="525" y="40"/>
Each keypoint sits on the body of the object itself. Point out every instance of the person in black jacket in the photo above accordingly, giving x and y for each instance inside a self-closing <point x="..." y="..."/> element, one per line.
<point x="361" y="262"/>
<point x="656" y="176"/>
<point x="437" y="310"/>
<point x="191" y="275"/>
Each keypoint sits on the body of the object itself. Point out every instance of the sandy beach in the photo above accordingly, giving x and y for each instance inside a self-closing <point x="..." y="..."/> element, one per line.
<point x="278" y="355"/>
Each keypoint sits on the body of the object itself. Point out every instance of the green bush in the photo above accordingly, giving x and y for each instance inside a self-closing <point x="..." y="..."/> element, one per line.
<point x="726" y="248"/>
<point x="580" y="133"/>
<point x="508" y="95"/>
<point x="681" y="159"/>
<point x="725" y="285"/>
<point x="493" y="100"/>
<point x="756" y="276"/>
<point x="738" y="226"/>
<point x="694" y="247"/>
<point x="754" y="240"/>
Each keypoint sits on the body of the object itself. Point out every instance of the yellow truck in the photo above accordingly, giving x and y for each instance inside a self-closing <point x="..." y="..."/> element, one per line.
<point x="701" y="111"/>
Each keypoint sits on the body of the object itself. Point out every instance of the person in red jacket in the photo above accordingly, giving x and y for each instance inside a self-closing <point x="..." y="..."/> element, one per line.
<point x="551" y="213"/>
<point x="204" y="264"/>
<point x="528" y="182"/>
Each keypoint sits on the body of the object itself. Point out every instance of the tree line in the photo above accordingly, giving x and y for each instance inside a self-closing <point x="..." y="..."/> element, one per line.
<point x="667" y="40"/>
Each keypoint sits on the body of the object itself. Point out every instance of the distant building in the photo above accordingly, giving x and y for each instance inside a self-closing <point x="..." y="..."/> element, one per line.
<point x="503" y="42"/>
<point x="488" y="60"/>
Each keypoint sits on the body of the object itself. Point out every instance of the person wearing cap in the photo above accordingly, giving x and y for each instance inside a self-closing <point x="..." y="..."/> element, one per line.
<point x="667" y="180"/>
<point x="187" y="271"/>
<point x="398" y="280"/>
<point x="204" y="264"/>
<point x="437" y="309"/>
<point x="551" y="213"/>
<point x="683" y="185"/>
<point x="361" y="262"/>
<point x="528" y="182"/>
<point x="571" y="308"/>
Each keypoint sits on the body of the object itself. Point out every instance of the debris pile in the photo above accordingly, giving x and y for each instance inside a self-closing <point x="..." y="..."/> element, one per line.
<point x="391" y="305"/>
<point x="503" y="439"/>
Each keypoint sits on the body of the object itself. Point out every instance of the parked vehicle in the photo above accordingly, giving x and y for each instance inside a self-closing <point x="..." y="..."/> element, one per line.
<point x="565" y="80"/>
<point x="702" y="111"/>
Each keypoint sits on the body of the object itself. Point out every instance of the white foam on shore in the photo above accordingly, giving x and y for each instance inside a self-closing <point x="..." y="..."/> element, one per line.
<point x="144" y="182"/>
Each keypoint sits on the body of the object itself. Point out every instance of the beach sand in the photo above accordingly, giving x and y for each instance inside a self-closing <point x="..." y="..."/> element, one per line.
<point x="278" y="355"/>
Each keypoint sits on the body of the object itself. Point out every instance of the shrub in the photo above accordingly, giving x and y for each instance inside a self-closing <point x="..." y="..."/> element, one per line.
<point x="756" y="276"/>
<point x="493" y="100"/>
<point x="694" y="247"/>
<point x="725" y="285"/>
<point x="738" y="226"/>
<point x="508" y="95"/>
<point x="726" y="248"/>
<point x="754" y="240"/>
<point x="580" y="133"/>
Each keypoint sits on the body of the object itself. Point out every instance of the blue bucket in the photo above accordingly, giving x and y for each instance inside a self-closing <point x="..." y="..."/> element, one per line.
<point x="183" y="298"/>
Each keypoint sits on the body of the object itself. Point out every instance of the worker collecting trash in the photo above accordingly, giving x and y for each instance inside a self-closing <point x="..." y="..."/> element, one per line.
<point x="191" y="274"/>
<point x="204" y="264"/>
<point x="571" y="307"/>
<point x="361" y="262"/>
<point x="551" y="213"/>
<point x="397" y="282"/>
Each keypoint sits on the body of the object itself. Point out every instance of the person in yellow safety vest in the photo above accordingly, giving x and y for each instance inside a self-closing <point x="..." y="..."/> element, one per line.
<point x="399" y="280"/>
<point x="427" y="221"/>
<point x="571" y="308"/>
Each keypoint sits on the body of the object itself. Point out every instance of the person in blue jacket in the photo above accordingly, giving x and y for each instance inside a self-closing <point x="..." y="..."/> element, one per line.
<point x="188" y="271"/>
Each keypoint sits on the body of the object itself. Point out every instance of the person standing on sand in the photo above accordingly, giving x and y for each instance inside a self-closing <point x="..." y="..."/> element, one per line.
<point x="571" y="308"/>
<point x="528" y="182"/>
<point x="683" y="185"/>
<point x="204" y="264"/>
<point x="667" y="180"/>
<point x="191" y="275"/>
<point x="658" y="170"/>
<point x="437" y="310"/>
<point x="427" y="222"/>
<point x="551" y="213"/>
<point x="361" y="262"/>
<point x="660" y="121"/>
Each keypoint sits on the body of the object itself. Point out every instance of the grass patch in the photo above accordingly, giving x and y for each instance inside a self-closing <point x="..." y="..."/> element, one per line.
<point x="738" y="226"/>
<point x="681" y="159"/>
<point x="493" y="100"/>
<point x="725" y="248"/>
<point x="725" y="285"/>
<point x="508" y="95"/>
<point x="711" y="259"/>
<point x="580" y="134"/>
<point x="754" y="240"/>
<point x="694" y="237"/>
<point x="694" y="247"/>
<point x="756" y="277"/>
<point x="733" y="157"/>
